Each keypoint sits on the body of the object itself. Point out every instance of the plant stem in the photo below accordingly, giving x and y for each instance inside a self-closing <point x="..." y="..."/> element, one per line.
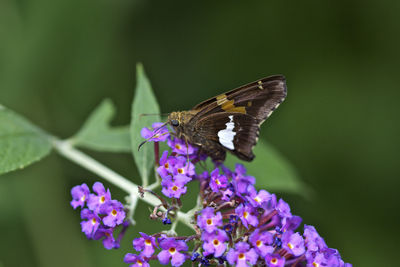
<point x="68" y="151"/>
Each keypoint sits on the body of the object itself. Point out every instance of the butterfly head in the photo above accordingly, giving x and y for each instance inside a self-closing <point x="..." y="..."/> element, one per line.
<point x="175" y="119"/>
<point x="179" y="119"/>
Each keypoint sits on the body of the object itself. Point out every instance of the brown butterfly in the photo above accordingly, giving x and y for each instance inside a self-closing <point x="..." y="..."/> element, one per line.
<point x="230" y="121"/>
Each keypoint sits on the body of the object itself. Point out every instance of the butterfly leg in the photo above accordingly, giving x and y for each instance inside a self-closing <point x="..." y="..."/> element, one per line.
<point x="187" y="153"/>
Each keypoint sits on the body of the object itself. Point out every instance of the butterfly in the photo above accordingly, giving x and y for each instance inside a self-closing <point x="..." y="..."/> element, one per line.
<point x="230" y="121"/>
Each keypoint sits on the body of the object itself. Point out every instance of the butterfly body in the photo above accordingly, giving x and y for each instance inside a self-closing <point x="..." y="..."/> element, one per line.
<point x="230" y="121"/>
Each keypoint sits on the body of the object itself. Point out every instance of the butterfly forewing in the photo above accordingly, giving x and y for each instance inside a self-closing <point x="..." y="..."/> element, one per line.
<point x="257" y="99"/>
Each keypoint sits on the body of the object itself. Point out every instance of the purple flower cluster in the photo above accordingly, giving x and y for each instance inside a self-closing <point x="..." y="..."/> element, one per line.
<point x="238" y="225"/>
<point x="250" y="227"/>
<point x="235" y="224"/>
<point x="102" y="214"/>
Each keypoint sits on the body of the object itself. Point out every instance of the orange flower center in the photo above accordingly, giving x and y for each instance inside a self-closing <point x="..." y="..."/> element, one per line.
<point x="172" y="250"/>
<point x="315" y="264"/>
<point x="274" y="260"/>
<point x="166" y="165"/>
<point x="102" y="199"/>
<point x="258" y="243"/>
<point x="217" y="181"/>
<point x="209" y="221"/>
<point x="290" y="246"/>
<point x="114" y="213"/>
<point x="147" y="242"/>
<point x="245" y="214"/>
<point x="180" y="170"/>
<point x="174" y="188"/>
<point x="241" y="256"/>
<point x="177" y="146"/>
<point x="94" y="221"/>
<point x="216" y="242"/>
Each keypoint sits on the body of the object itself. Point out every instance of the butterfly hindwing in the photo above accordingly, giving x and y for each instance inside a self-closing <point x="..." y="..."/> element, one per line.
<point x="235" y="132"/>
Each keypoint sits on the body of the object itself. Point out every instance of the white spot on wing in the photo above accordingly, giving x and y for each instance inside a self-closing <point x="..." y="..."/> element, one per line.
<point x="226" y="136"/>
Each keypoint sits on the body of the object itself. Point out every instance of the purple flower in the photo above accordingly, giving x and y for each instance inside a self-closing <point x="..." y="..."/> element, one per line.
<point x="247" y="214"/>
<point x="292" y="223"/>
<point x="146" y="244"/>
<point x="108" y="241"/>
<point x="175" y="187"/>
<point x="91" y="224"/>
<point x="262" y="242"/>
<point x="79" y="194"/>
<point x="180" y="147"/>
<point x="283" y="209"/>
<point x="171" y="251"/>
<point x="208" y="221"/>
<point x="214" y="243"/>
<point x="274" y="260"/>
<point x="242" y="255"/>
<point x="114" y="211"/>
<point x="171" y="166"/>
<point x="156" y="134"/>
<point x="314" y="242"/>
<point x="262" y="199"/>
<point x="166" y="165"/>
<point x="218" y="181"/>
<point x="293" y="243"/>
<point x="96" y="201"/>
<point x="137" y="260"/>
<point x="241" y="181"/>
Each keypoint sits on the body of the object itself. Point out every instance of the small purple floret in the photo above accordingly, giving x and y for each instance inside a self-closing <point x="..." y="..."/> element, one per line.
<point x="242" y="255"/>
<point x="171" y="251"/>
<point x="174" y="188"/>
<point x="136" y="260"/>
<point x="247" y="214"/>
<point x="146" y="244"/>
<point x="262" y="242"/>
<point x="91" y="222"/>
<point x="108" y="242"/>
<point x="102" y="195"/>
<point x="80" y="194"/>
<point x="114" y="211"/>
<point x="293" y="243"/>
<point x="208" y="221"/>
<point x="180" y="147"/>
<point x="274" y="260"/>
<point x="218" y="181"/>
<point x="214" y="243"/>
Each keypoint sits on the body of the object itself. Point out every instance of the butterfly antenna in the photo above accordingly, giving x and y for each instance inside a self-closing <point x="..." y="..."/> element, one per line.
<point x="153" y="114"/>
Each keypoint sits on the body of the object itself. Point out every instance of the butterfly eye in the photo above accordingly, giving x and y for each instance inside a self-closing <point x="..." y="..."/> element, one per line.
<point x="175" y="123"/>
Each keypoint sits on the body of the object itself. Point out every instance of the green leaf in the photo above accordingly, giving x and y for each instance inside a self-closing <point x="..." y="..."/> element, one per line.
<point x="97" y="134"/>
<point x="21" y="143"/>
<point x="143" y="102"/>
<point x="272" y="171"/>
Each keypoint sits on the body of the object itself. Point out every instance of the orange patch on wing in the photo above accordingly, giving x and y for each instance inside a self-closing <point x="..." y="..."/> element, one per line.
<point x="228" y="105"/>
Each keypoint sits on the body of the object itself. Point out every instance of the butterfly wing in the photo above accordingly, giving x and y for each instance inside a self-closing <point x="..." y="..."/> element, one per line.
<point x="236" y="132"/>
<point x="257" y="99"/>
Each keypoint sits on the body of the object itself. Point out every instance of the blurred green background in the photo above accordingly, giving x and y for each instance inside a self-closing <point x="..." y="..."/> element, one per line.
<point x="339" y="125"/>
